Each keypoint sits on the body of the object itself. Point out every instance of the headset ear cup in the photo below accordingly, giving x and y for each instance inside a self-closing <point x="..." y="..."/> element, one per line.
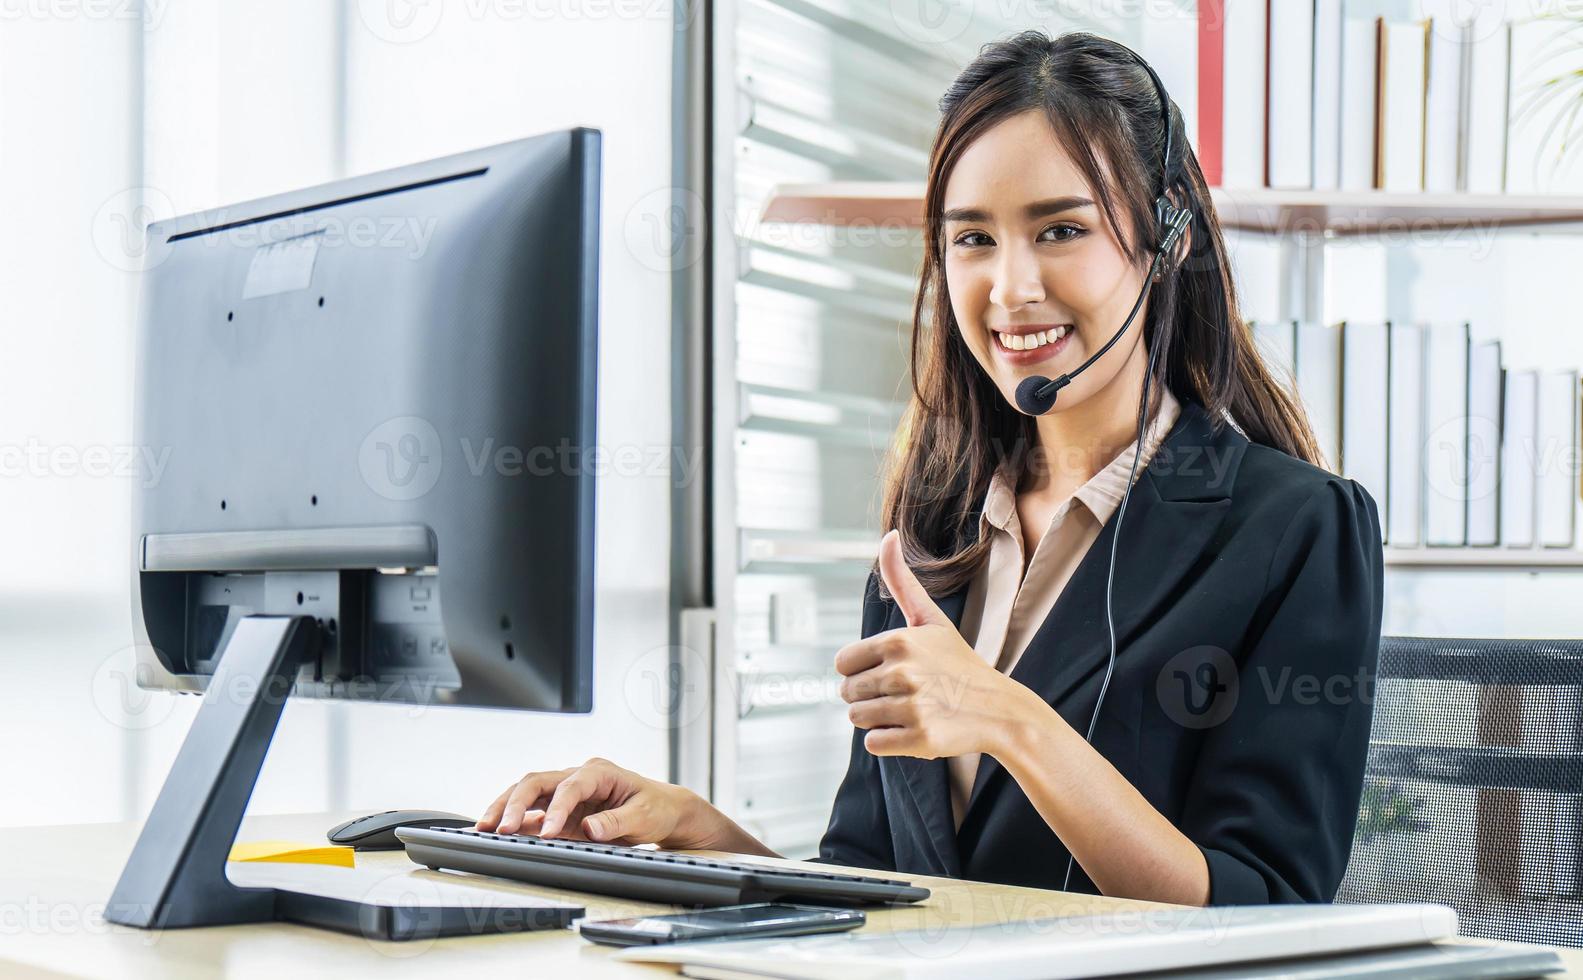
<point x="1165" y="214"/>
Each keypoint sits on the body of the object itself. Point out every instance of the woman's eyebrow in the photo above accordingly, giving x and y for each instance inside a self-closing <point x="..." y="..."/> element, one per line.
<point x="1038" y="209"/>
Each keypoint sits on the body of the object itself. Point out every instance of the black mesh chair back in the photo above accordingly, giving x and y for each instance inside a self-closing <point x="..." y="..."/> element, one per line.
<point x="1473" y="788"/>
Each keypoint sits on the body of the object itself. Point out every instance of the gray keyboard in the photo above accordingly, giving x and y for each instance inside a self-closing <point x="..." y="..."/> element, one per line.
<point x="641" y="873"/>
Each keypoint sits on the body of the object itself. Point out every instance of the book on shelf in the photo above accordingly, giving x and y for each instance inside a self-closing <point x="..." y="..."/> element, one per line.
<point x="1488" y="92"/>
<point x="1404" y="501"/>
<point x="1359" y="54"/>
<point x="1365" y="394"/>
<point x="1318" y="376"/>
<point x="1485" y="378"/>
<point x="1211" y="90"/>
<point x="1519" y="437"/>
<point x="1328" y="91"/>
<point x="1443" y="94"/>
<point x="1231" y="91"/>
<point x="1399" y="129"/>
<point x="1446" y="348"/>
<point x="1555" y="457"/>
<point x="1289" y="109"/>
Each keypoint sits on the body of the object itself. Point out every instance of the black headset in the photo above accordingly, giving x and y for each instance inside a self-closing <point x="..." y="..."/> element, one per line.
<point x="1036" y="395"/>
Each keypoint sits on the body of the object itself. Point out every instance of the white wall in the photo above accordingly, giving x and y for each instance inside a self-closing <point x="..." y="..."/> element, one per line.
<point x="67" y="138"/>
<point x="106" y="122"/>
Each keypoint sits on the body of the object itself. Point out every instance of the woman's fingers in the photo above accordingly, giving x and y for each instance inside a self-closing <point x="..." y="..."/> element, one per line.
<point x="882" y="712"/>
<point x="600" y="801"/>
<point x="525" y="796"/>
<point x="876" y="682"/>
<point x="491" y="814"/>
<point x="871" y="651"/>
<point x="891" y="741"/>
<point x="630" y="823"/>
<point x="593" y="781"/>
<point x="595" y="801"/>
<point x="529" y="795"/>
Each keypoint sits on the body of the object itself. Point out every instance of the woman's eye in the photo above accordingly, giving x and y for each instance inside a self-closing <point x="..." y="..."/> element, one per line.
<point x="1074" y="230"/>
<point x="977" y="239"/>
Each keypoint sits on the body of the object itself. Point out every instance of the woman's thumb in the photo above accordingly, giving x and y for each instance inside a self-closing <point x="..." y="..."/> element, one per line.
<point x="910" y="595"/>
<point x="610" y="824"/>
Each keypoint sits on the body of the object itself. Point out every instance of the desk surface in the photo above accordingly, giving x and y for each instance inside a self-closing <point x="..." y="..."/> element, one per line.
<point x="56" y="880"/>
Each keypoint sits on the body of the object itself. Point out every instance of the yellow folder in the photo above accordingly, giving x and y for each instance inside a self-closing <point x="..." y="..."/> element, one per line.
<point x="291" y="852"/>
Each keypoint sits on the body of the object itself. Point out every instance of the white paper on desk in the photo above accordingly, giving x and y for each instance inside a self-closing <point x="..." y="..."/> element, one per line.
<point x="403" y="887"/>
<point x="1122" y="942"/>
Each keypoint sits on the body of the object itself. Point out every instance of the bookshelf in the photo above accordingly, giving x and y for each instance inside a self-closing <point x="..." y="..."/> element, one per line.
<point x="786" y="549"/>
<point x="1302" y="218"/>
<point x="1485" y="559"/>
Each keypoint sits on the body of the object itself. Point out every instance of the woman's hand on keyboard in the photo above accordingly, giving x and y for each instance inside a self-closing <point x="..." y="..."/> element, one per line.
<point x="600" y="801"/>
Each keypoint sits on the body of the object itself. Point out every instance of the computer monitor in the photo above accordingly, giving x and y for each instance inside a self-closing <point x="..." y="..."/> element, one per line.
<point x="374" y="401"/>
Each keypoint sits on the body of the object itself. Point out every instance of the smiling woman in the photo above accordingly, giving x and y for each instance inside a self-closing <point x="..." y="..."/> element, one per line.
<point x="1007" y="602"/>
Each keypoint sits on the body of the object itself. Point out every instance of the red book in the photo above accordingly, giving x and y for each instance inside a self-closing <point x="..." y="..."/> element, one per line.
<point x="1233" y="79"/>
<point x="1211" y="89"/>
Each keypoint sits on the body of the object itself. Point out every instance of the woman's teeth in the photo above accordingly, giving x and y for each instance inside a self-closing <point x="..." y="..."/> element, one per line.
<point x="1031" y="341"/>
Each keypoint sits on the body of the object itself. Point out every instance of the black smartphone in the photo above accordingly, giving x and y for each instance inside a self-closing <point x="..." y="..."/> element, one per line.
<point x="758" y="921"/>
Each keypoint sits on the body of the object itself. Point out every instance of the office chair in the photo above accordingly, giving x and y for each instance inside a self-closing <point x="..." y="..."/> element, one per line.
<point x="1473" y="791"/>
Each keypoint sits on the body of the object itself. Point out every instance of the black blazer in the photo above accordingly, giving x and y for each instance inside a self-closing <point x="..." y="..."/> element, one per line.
<point x="1247" y="606"/>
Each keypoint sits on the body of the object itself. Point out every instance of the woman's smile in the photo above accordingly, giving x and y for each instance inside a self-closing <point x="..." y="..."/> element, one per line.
<point x="1021" y="346"/>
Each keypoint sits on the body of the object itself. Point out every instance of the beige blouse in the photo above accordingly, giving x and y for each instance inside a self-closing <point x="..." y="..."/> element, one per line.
<point x="1004" y="608"/>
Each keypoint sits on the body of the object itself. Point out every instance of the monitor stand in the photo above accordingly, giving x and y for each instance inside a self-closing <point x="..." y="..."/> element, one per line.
<point x="176" y="874"/>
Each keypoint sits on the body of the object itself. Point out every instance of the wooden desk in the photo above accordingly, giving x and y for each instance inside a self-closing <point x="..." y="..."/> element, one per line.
<point x="54" y="882"/>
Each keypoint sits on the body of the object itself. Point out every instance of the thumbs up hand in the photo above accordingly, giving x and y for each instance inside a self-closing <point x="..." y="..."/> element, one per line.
<point x="921" y="690"/>
<point x="903" y="585"/>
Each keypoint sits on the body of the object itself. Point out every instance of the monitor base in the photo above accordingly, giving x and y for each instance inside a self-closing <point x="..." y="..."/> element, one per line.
<point x="176" y="876"/>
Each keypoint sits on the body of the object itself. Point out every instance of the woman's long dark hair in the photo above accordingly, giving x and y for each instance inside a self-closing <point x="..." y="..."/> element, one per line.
<point x="1104" y="110"/>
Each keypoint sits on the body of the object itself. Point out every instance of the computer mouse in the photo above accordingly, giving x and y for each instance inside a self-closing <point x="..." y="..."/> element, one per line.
<point x="377" y="831"/>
